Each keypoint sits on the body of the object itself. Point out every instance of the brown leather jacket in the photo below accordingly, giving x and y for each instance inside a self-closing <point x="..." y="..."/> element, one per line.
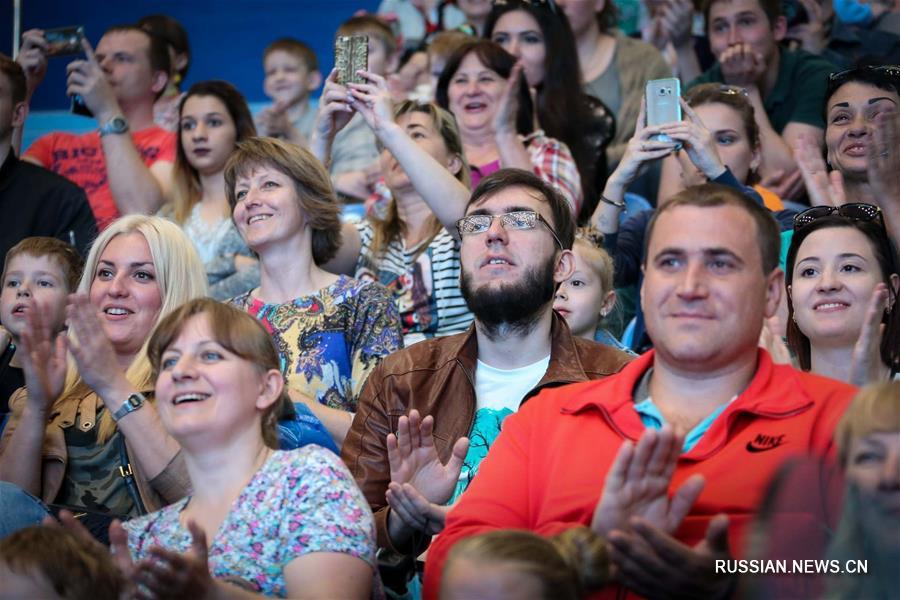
<point x="436" y="377"/>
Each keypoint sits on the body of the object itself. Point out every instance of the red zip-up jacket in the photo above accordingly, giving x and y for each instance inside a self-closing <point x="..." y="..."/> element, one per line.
<point x="545" y="471"/>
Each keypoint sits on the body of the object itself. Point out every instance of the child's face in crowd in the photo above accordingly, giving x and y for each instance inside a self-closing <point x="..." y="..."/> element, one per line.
<point x="287" y="79"/>
<point x="208" y="133"/>
<point x="733" y="22"/>
<point x="421" y="129"/>
<point x="834" y="277"/>
<point x="520" y="35"/>
<point x="732" y="143"/>
<point x="33" y="283"/>
<point x="126" y="292"/>
<point x="464" y="579"/>
<point x="473" y="94"/>
<point x="580" y="298"/>
<point x="851" y="116"/>
<point x="380" y="62"/>
<point x="203" y="388"/>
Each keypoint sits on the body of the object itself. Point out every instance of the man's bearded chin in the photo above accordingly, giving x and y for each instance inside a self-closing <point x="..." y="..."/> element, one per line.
<point x="511" y="309"/>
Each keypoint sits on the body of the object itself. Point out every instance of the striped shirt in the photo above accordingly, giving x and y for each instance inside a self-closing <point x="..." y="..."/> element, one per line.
<point x="424" y="283"/>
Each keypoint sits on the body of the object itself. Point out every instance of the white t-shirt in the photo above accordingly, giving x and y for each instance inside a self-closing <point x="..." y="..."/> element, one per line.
<point x="498" y="394"/>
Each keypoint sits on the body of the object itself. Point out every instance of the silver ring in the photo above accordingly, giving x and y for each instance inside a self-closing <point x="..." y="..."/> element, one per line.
<point x="885" y="154"/>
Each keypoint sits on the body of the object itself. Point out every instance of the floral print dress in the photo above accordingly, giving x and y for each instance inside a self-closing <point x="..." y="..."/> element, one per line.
<point x="298" y="502"/>
<point x="330" y="341"/>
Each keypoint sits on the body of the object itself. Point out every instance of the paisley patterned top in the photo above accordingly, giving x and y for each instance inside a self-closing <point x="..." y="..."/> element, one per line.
<point x="330" y="341"/>
<point x="298" y="502"/>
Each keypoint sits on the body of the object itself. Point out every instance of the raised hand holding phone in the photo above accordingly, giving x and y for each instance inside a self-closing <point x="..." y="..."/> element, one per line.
<point x="87" y="80"/>
<point x="662" y="99"/>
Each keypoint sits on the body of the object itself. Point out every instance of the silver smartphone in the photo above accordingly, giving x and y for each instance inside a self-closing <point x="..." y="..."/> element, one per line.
<point x="663" y="101"/>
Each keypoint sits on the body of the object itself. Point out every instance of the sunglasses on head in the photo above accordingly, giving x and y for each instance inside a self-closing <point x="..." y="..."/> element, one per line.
<point x="537" y="3"/>
<point x="890" y="74"/>
<point x="857" y="211"/>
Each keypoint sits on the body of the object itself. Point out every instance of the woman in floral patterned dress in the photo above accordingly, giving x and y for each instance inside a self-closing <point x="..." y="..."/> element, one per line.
<point x="259" y="521"/>
<point x="330" y="330"/>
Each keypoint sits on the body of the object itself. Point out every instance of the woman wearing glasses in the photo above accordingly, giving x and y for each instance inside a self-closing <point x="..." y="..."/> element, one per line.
<point x="843" y="282"/>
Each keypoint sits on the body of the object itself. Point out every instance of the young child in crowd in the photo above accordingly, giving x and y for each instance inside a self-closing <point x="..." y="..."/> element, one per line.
<point x="55" y="563"/>
<point x="39" y="274"/>
<point x="588" y="296"/>
<point x="354" y="157"/>
<point x="521" y="564"/>
<point x="291" y="75"/>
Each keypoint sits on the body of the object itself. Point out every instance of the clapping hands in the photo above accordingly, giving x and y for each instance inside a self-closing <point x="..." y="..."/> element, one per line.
<point x="163" y="574"/>
<point x="420" y="483"/>
<point x="43" y="356"/>
<point x="637" y="485"/>
<point x="637" y="517"/>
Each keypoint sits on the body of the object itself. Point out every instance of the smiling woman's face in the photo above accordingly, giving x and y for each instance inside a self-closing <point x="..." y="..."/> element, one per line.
<point x="834" y="277"/>
<point x="126" y="292"/>
<point x="474" y="94"/>
<point x="849" y="124"/>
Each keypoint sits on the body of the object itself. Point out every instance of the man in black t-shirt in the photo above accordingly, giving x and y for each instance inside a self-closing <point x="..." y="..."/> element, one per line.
<point x="34" y="201"/>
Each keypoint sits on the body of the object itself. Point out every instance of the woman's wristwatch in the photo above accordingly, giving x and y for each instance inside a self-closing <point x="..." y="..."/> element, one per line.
<point x="131" y="404"/>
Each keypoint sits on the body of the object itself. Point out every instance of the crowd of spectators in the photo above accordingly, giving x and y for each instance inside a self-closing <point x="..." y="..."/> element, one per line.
<point x="466" y="325"/>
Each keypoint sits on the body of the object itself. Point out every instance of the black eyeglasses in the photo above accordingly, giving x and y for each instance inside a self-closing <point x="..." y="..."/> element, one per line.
<point x="890" y="73"/>
<point x="857" y="211"/>
<point x="541" y="3"/>
<point x="520" y="219"/>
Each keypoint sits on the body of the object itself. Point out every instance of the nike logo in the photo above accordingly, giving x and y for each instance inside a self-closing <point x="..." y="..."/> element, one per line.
<point x="762" y="443"/>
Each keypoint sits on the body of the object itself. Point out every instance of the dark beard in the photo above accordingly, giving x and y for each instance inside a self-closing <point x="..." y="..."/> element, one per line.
<point x="514" y="308"/>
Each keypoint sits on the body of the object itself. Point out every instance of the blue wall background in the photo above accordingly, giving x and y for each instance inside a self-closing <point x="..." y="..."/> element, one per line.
<point x="227" y="37"/>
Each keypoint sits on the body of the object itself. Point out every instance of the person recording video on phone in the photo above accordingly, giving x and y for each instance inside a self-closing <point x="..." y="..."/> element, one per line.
<point x="126" y="165"/>
<point x="716" y="141"/>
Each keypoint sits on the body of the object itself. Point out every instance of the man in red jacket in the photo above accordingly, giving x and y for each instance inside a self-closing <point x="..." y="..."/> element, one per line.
<point x="711" y="276"/>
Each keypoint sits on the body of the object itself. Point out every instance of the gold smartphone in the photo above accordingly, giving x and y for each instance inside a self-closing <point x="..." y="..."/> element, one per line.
<point x="351" y="54"/>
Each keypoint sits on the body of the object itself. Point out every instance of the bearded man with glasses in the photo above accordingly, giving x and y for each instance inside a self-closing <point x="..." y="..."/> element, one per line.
<point x="668" y="460"/>
<point x="409" y="447"/>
